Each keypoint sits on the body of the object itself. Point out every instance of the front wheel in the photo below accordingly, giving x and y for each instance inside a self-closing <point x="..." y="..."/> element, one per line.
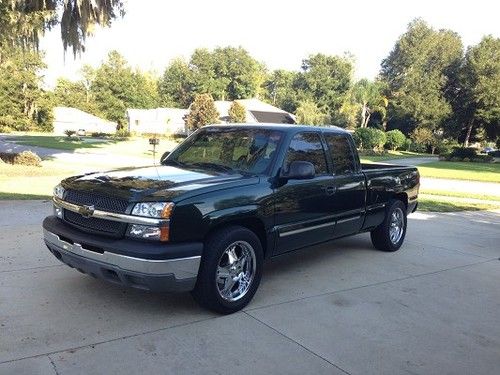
<point x="389" y="235"/>
<point x="230" y="271"/>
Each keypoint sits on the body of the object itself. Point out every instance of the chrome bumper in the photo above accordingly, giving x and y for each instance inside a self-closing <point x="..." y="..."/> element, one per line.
<point x="180" y="268"/>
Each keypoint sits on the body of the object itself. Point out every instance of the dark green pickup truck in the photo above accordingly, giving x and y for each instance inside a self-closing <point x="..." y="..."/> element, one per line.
<point x="225" y="199"/>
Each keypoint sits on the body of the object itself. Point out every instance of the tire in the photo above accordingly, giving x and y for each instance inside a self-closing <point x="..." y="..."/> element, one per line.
<point x="230" y="253"/>
<point x="382" y="237"/>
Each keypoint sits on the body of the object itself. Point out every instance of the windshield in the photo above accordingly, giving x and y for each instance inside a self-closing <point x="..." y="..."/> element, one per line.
<point x="228" y="149"/>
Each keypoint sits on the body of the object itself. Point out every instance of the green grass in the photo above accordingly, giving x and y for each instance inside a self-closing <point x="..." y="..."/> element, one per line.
<point x="459" y="194"/>
<point x="489" y="172"/>
<point x="436" y="205"/>
<point x="60" y="142"/>
<point x="17" y="196"/>
<point x="390" y="155"/>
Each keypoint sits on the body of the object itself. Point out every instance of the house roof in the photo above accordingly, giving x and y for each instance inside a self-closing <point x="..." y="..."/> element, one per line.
<point x="69" y="114"/>
<point x="256" y="111"/>
<point x="174" y="115"/>
<point x="273" y="117"/>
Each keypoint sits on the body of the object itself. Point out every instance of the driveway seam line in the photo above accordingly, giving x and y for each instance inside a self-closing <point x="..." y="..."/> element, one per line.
<point x="452" y="250"/>
<point x="370" y="285"/>
<point x="32" y="268"/>
<point x="53" y="364"/>
<point x="299" y="344"/>
<point x="48" y="354"/>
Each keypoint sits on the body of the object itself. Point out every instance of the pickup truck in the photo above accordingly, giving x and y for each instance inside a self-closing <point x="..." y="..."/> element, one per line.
<point x="228" y="197"/>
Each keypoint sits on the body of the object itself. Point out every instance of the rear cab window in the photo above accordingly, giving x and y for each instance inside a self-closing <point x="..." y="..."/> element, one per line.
<point x="341" y="153"/>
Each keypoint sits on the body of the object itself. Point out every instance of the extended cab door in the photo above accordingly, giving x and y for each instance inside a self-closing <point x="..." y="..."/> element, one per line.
<point x="347" y="202"/>
<point x="302" y="214"/>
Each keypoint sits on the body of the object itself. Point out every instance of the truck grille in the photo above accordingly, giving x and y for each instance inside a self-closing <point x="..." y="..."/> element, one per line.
<point x="98" y="201"/>
<point x="92" y="224"/>
<point x="95" y="225"/>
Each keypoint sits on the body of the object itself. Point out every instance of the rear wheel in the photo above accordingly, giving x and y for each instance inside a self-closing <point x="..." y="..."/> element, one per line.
<point x="230" y="270"/>
<point x="390" y="235"/>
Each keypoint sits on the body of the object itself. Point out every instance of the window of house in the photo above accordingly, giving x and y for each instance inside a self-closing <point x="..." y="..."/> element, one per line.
<point x="136" y="122"/>
<point x="307" y="147"/>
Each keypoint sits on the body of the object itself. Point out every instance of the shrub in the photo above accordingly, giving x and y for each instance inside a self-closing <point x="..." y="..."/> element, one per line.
<point x="483" y="159"/>
<point x="100" y="135"/>
<point x="27" y="158"/>
<point x="369" y="138"/>
<point x="5" y="129"/>
<point x="394" y="139"/>
<point x="464" y="152"/>
<point x="69" y="132"/>
<point x="122" y="133"/>
<point x="466" y="160"/>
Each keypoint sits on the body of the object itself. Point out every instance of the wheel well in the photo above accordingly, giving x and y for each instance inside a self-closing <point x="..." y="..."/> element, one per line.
<point x="253" y="224"/>
<point x="403" y="197"/>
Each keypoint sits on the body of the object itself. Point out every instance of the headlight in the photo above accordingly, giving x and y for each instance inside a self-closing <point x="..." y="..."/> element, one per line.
<point x="59" y="191"/>
<point x="160" y="210"/>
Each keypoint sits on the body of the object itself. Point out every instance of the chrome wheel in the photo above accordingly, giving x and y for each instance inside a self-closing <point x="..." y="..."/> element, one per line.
<point x="235" y="271"/>
<point x="396" y="226"/>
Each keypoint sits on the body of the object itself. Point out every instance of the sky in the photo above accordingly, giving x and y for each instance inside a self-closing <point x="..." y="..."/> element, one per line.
<point x="278" y="33"/>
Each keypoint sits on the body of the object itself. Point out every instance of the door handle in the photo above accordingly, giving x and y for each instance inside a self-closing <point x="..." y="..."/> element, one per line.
<point x="330" y="190"/>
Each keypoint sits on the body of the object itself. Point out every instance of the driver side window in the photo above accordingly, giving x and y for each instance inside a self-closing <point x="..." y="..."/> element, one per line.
<point x="307" y="146"/>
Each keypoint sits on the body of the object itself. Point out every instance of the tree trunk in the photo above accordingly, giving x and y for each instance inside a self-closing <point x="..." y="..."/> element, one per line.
<point x="469" y="131"/>
<point x="367" y="120"/>
<point x="363" y="115"/>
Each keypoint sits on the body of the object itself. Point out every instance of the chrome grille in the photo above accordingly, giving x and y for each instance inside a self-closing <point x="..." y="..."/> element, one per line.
<point x="95" y="225"/>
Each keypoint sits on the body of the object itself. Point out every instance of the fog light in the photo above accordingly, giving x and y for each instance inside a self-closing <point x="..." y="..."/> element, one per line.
<point x="58" y="212"/>
<point x="147" y="232"/>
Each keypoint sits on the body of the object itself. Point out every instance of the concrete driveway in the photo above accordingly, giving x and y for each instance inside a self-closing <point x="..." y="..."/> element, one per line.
<point x="340" y="308"/>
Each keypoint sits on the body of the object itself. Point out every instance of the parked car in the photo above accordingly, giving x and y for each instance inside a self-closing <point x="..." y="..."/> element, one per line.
<point x="224" y="200"/>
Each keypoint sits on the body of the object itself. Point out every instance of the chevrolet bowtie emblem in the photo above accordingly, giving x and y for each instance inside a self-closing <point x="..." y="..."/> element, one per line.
<point x="86" y="211"/>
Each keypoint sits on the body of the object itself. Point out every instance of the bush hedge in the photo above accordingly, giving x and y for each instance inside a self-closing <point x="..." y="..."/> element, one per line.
<point x="466" y="154"/>
<point x="369" y="138"/>
<point x="394" y="139"/>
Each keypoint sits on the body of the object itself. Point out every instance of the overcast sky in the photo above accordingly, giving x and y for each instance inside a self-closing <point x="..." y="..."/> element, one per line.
<point x="278" y="33"/>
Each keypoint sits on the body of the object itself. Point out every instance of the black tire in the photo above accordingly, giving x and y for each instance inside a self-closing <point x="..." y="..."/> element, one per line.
<point x="381" y="236"/>
<point x="206" y="291"/>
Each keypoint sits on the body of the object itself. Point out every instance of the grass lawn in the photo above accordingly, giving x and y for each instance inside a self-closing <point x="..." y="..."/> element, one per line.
<point x="437" y="205"/>
<point x="459" y="194"/>
<point x="390" y="155"/>
<point x="489" y="172"/>
<point x="135" y="146"/>
<point x="60" y="142"/>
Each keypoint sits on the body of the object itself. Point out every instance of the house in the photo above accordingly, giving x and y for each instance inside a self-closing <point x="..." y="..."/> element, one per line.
<point x="67" y="118"/>
<point x="257" y="111"/>
<point x="157" y="121"/>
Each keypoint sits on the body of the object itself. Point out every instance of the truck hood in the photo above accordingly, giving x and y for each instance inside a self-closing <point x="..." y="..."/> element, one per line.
<point x="153" y="183"/>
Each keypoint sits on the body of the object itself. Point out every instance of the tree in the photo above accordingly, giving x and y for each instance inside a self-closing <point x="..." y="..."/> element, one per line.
<point x="280" y="89"/>
<point x="308" y="113"/>
<point x="369" y="99"/>
<point x="425" y="137"/>
<point x="117" y="87"/>
<point x="23" y="103"/>
<point x="202" y="112"/>
<point x="326" y="80"/>
<point x="419" y="73"/>
<point x="237" y="112"/>
<point x="75" y="94"/>
<point x="477" y="103"/>
<point x="23" y="22"/>
<point x="176" y="85"/>
<point x="394" y="139"/>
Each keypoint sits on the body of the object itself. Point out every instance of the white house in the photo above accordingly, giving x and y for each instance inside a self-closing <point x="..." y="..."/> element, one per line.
<point x="157" y="121"/>
<point x="257" y="111"/>
<point x="67" y="118"/>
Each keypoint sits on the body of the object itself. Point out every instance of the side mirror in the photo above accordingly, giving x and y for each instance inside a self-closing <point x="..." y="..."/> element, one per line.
<point x="164" y="156"/>
<point x="299" y="170"/>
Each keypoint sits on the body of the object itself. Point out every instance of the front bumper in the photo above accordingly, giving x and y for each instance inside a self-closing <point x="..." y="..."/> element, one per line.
<point x="159" y="275"/>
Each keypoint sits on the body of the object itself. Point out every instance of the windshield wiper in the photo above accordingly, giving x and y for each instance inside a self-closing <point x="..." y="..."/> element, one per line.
<point x="173" y="162"/>
<point x="224" y="168"/>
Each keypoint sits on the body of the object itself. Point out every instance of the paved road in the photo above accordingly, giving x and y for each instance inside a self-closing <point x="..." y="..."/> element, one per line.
<point x="339" y="308"/>
<point x="412" y="161"/>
